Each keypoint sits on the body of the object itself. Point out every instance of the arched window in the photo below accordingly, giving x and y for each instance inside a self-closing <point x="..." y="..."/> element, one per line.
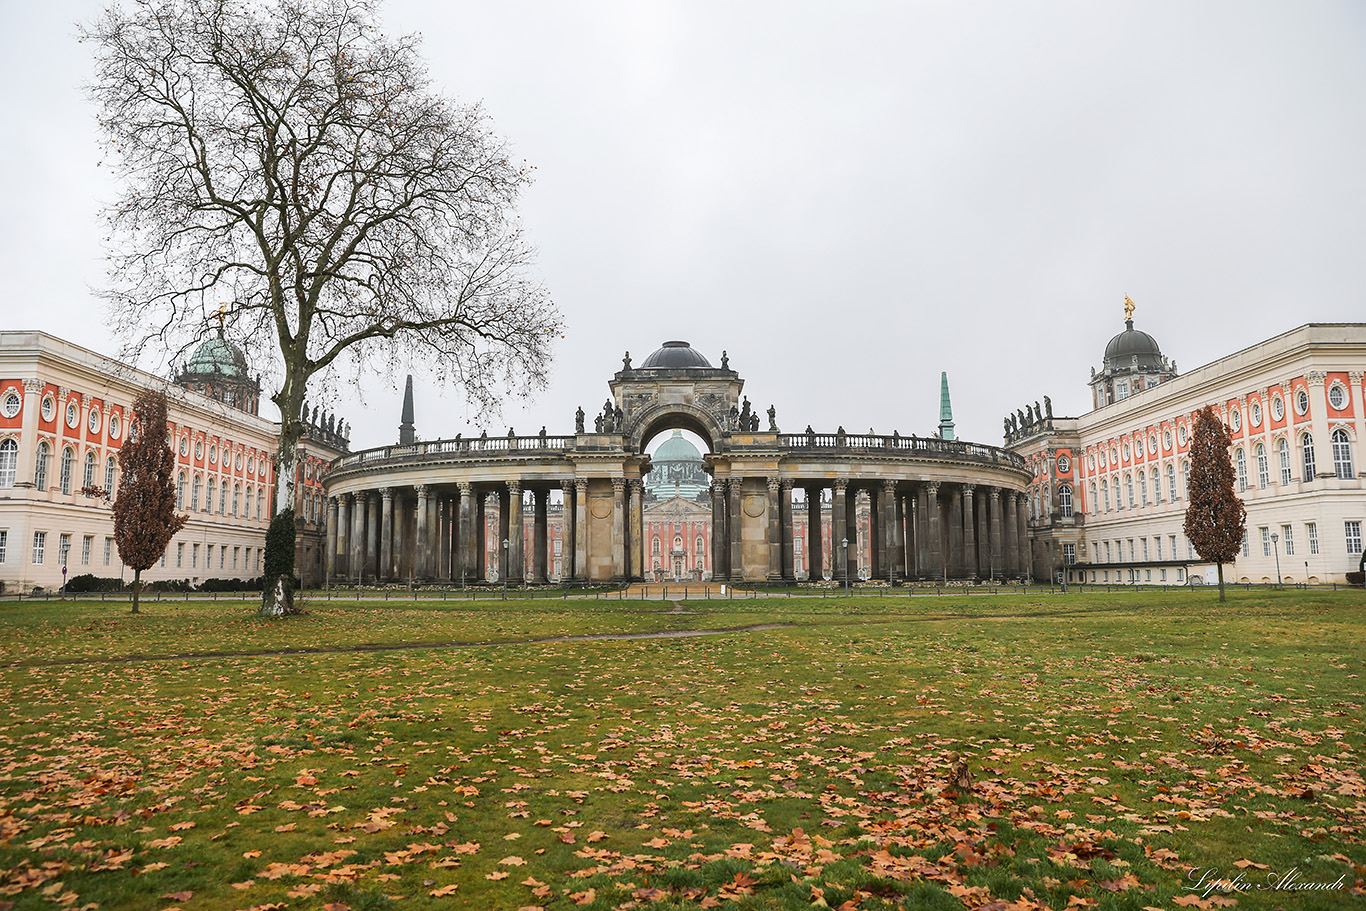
<point x="1263" y="468"/>
<point x="1157" y="486"/>
<point x="1065" y="500"/>
<point x="1307" y="445"/>
<point x="180" y="491"/>
<point x="236" y="497"/>
<point x="1105" y="494"/>
<point x="697" y="546"/>
<point x="194" y="494"/>
<point x="1171" y="482"/>
<point x="1142" y="488"/>
<point x="1095" y="501"/>
<point x="68" y="457"/>
<point x="208" y="496"/>
<point x="1240" y="461"/>
<point x="1129" y="487"/>
<point x="109" y="475"/>
<point x="654" y="546"/>
<point x="1283" y="452"/>
<point x="1342" y="454"/>
<point x="40" y="467"/>
<point x="1186" y="475"/>
<point x="9" y="462"/>
<point x="223" y="500"/>
<point x="88" y="473"/>
<point x="260" y="499"/>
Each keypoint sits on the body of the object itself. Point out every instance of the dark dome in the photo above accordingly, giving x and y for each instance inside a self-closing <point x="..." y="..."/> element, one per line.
<point x="676" y="355"/>
<point x="1123" y="347"/>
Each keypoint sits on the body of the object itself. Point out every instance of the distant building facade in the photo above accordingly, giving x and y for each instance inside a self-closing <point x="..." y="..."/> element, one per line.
<point x="1108" y="497"/>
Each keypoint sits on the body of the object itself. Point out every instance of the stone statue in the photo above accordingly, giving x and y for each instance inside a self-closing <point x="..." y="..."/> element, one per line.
<point x="1007" y="423"/>
<point x="626" y="361"/>
<point x="1048" y="407"/>
<point x="896" y="437"/>
<point x="734" y="418"/>
<point x="744" y="414"/>
<point x="597" y="424"/>
<point x="578" y="420"/>
<point x="512" y="434"/>
<point x="754" y="423"/>
<point x="772" y="419"/>
<point x="483" y="434"/>
<point x="809" y="431"/>
<point x="618" y="420"/>
<point x="1038" y="412"/>
<point x="725" y="361"/>
<point x="542" y="434"/>
<point x="1023" y="421"/>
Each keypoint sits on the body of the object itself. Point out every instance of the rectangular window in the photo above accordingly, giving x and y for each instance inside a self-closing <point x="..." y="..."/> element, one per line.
<point x="258" y="559"/>
<point x="1121" y="390"/>
<point x="1147" y="575"/>
<point x="1288" y="533"/>
<point x="1180" y="574"/>
<point x="63" y="548"/>
<point x="1069" y="554"/>
<point x="1131" y="550"/>
<point x="1312" y="532"/>
<point x="1247" y="550"/>
<point x="1190" y="549"/>
<point x="4" y="545"/>
<point x="163" y="558"/>
<point x="1095" y="546"/>
<point x="235" y="552"/>
<point x="208" y="557"/>
<point x="180" y="555"/>
<point x="1172" y="538"/>
<point x="87" y="545"/>
<point x="39" y="545"/>
<point x="108" y="550"/>
<point x="194" y="557"/>
<point x="1107" y="576"/>
<point x="558" y="545"/>
<point x="1163" y="575"/>
<point x="1353" y="530"/>
<point x="1107" y="552"/>
<point x="1157" y="539"/>
<point x="1145" y="549"/>
<point x="222" y="556"/>
<point x="1266" y="541"/>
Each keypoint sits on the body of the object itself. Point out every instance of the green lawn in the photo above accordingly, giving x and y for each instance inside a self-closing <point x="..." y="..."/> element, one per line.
<point x="1009" y="751"/>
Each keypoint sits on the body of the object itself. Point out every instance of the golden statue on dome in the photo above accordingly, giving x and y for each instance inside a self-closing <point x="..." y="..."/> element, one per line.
<point x="1128" y="307"/>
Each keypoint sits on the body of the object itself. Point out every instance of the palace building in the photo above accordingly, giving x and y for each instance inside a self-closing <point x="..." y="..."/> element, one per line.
<point x="64" y="414"/>
<point x="1107" y="499"/>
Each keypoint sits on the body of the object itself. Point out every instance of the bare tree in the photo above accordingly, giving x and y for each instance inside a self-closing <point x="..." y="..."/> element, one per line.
<point x="1215" y="516"/>
<point x="285" y="164"/>
<point x="145" y="519"/>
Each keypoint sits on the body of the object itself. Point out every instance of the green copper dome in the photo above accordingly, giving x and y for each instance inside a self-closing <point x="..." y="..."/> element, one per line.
<point x="217" y="355"/>
<point x="676" y="470"/>
<point x="676" y="449"/>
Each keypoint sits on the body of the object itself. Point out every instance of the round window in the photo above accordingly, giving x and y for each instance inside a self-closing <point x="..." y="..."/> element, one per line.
<point x="94" y="422"/>
<point x="1092" y="461"/>
<point x="1166" y="439"/>
<point x="1152" y="443"/>
<point x="1302" y="402"/>
<point x="1255" y="414"/>
<point x="213" y="455"/>
<point x="49" y="407"/>
<point x="1064" y="463"/>
<point x="114" y="426"/>
<point x="185" y="446"/>
<point x="239" y="461"/>
<point x="1126" y="449"/>
<point x="251" y="465"/>
<point x="1114" y="455"/>
<point x="199" y="449"/>
<point x="11" y="406"/>
<point x="1181" y="434"/>
<point x="1235" y="419"/>
<point x="73" y="414"/>
<point x="1277" y="408"/>
<point x="1337" y="397"/>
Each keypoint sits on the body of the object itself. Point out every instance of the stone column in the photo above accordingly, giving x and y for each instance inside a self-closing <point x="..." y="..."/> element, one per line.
<point x="357" y="556"/>
<point x="720" y="546"/>
<point x="331" y="554"/>
<point x="1011" y="532"/>
<point x="445" y="509"/>
<point x="735" y="525"/>
<point x="481" y="535"/>
<point x="636" y="555"/>
<point x="1022" y="537"/>
<point x="983" y="538"/>
<point x="504" y="534"/>
<point x="839" y="529"/>
<point x="25" y="470"/>
<point x="581" y="529"/>
<point x="386" y="534"/>
<point x="954" y="556"/>
<point x="372" y="536"/>
<point x="997" y="567"/>
<point x="969" y="534"/>
<point x="620" y="529"/>
<point x="887" y="514"/>
<point x="420" y="556"/>
<point x="775" y="538"/>
<point x="851" y="529"/>
<point x="815" y="528"/>
<point x="936" y="554"/>
<point x="922" y="531"/>
<point x="540" y="538"/>
<point x="909" y="517"/>
<point x="789" y="561"/>
<point x="466" y="555"/>
<point x="516" y="555"/>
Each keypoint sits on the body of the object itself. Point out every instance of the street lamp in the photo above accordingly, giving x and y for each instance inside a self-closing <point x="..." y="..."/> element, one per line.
<point x="506" y="545"/>
<point x="1276" y="547"/>
<point x="844" y="557"/>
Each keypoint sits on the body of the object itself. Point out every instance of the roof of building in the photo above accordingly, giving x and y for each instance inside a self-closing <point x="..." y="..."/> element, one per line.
<point x="1124" y="346"/>
<point x="676" y="449"/>
<point x="217" y="355"/>
<point x="676" y="355"/>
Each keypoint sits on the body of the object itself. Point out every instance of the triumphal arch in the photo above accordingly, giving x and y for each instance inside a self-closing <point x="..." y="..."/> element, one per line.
<point x="939" y="508"/>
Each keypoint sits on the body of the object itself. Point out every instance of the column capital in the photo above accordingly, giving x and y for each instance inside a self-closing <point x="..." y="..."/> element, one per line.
<point x="995" y="492"/>
<point x="636" y="484"/>
<point x="889" y="486"/>
<point x="332" y="502"/>
<point x="787" y="485"/>
<point x="773" y="485"/>
<point x="840" y="485"/>
<point x="969" y="488"/>
<point x="581" y="485"/>
<point x="1355" y="376"/>
<point x="33" y="386"/>
<point x="387" y="493"/>
<point x="933" y="487"/>
<point x="717" y="487"/>
<point x="618" y="485"/>
<point x="423" y="490"/>
<point x="464" y="487"/>
<point x="515" y="486"/>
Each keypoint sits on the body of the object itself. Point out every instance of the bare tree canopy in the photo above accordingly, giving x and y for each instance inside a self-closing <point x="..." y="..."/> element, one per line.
<point x="1214" y="516"/>
<point x="145" y="519"/>
<point x="285" y="164"/>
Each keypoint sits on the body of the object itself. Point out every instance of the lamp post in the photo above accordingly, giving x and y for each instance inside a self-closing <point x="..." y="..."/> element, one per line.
<point x="1275" y="545"/>
<point x="504" y="569"/>
<point x="844" y="556"/>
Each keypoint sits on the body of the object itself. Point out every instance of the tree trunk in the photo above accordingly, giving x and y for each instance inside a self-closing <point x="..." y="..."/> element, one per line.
<point x="1220" y="568"/>
<point x="137" y="585"/>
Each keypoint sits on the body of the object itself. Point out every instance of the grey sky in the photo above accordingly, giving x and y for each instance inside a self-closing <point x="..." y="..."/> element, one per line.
<point x="849" y="198"/>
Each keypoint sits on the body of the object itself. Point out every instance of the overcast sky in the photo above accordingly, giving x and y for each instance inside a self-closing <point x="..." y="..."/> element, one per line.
<point x="848" y="197"/>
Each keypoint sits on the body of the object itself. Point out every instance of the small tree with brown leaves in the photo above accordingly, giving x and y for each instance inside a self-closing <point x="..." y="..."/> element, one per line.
<point x="145" y="519"/>
<point x="1215" y="516"/>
